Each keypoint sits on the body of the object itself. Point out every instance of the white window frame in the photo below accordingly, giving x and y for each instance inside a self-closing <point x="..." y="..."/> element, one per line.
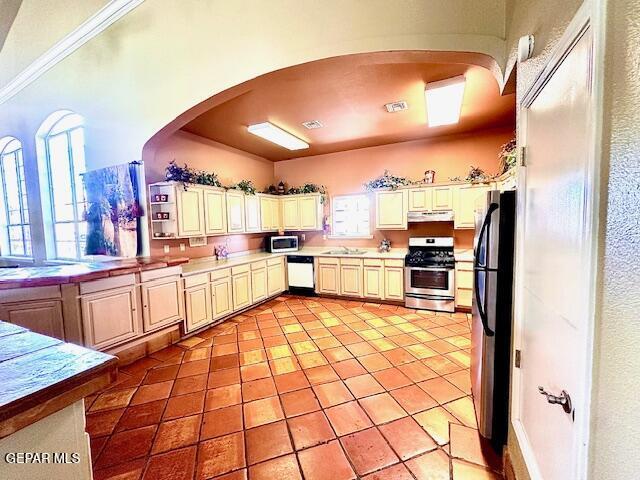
<point x="13" y="146"/>
<point x="336" y="202"/>
<point x="65" y="124"/>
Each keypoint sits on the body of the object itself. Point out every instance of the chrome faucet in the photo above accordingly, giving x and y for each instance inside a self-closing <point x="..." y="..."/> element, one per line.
<point x="346" y="250"/>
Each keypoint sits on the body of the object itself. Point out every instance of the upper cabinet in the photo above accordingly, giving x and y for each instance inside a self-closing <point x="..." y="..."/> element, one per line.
<point x="442" y="198"/>
<point x="252" y="213"/>
<point x="420" y="199"/>
<point x="269" y="213"/>
<point x="391" y="209"/>
<point x="235" y="212"/>
<point x="465" y="199"/>
<point x="215" y="211"/>
<point x="190" y="211"/>
<point x="301" y="212"/>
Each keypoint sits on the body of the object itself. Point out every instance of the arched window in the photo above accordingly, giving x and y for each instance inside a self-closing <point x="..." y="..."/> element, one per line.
<point x="16" y="234"/>
<point x="62" y="139"/>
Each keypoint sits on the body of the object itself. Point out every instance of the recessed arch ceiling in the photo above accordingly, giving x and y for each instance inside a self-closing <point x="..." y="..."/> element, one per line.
<point x="347" y="94"/>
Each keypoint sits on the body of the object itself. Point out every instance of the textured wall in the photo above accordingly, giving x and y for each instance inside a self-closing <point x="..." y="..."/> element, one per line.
<point x="615" y="412"/>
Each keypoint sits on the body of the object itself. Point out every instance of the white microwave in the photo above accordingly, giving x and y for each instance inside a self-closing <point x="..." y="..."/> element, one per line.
<point x="282" y="243"/>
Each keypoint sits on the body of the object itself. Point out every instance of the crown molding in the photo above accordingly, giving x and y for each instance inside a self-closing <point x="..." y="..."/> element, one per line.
<point x="94" y="25"/>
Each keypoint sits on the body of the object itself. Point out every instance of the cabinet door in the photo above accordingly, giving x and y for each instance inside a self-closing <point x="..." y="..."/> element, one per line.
<point x="266" y="214"/>
<point x="241" y="290"/>
<point x="329" y="279"/>
<point x="391" y="210"/>
<point x="466" y="198"/>
<point x="373" y="282"/>
<point x="351" y="280"/>
<point x="394" y="283"/>
<point x="215" y="209"/>
<point x="275" y="279"/>
<point x="44" y="316"/>
<point x="309" y="212"/>
<point x="110" y="317"/>
<point x="198" y="311"/>
<point x="161" y="303"/>
<point x="275" y="214"/>
<point x="190" y="207"/>
<point x="252" y="213"/>
<point x="290" y="214"/>
<point x="235" y="212"/>
<point x="258" y="285"/>
<point x="464" y="284"/>
<point x="442" y="198"/>
<point x="420" y="199"/>
<point x="222" y="298"/>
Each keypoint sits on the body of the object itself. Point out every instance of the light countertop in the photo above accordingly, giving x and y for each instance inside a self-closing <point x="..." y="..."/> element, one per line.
<point x="200" y="265"/>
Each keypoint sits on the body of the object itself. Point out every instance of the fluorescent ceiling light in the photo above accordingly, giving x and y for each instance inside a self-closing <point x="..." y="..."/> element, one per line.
<point x="444" y="101"/>
<point x="274" y="134"/>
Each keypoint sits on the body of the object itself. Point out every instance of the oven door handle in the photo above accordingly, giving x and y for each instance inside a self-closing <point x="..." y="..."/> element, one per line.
<point x="432" y="269"/>
<point x="486" y="225"/>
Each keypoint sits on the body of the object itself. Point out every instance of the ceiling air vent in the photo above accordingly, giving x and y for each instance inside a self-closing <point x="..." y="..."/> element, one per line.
<point x="311" y="124"/>
<point x="394" y="107"/>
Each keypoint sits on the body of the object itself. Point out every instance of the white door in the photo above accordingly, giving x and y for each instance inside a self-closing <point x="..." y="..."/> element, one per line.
<point x="553" y="290"/>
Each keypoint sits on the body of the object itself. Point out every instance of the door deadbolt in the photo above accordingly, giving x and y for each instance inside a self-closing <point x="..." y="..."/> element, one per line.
<point x="563" y="399"/>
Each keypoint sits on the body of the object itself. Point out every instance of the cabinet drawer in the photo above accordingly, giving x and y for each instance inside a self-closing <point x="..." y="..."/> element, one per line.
<point x="239" y="269"/>
<point x="149" y="275"/>
<point x="394" y="263"/>
<point x="351" y="261"/>
<point x="107" y="283"/>
<point x="463" y="297"/>
<point x="274" y="261"/>
<point x="258" y="265"/>
<point x="464" y="266"/>
<point x="222" y="273"/>
<point x="464" y="278"/>
<point x="328" y="260"/>
<point x="194" y="280"/>
<point x="373" y="262"/>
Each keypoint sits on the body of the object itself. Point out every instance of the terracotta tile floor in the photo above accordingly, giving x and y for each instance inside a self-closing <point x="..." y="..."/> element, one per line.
<point x="298" y="388"/>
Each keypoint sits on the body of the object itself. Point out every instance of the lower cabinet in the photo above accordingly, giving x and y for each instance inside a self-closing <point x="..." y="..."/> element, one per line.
<point x="198" y="306"/>
<point x="394" y="280"/>
<point x="110" y="316"/>
<point x="162" y="303"/>
<point x="464" y="284"/>
<point x="258" y="281"/>
<point x="42" y="316"/>
<point x="351" y="277"/>
<point x="275" y="276"/>
<point x="221" y="297"/>
<point x="329" y="276"/>
<point x="373" y="276"/>
<point x="241" y="287"/>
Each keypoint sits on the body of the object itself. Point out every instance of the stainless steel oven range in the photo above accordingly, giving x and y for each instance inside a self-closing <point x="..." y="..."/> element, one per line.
<point x="429" y="274"/>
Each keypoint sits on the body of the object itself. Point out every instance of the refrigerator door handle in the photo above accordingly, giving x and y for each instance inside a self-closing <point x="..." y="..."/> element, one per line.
<point x="477" y="267"/>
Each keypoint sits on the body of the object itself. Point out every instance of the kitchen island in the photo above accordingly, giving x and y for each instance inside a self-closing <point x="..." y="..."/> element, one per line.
<point x="44" y="382"/>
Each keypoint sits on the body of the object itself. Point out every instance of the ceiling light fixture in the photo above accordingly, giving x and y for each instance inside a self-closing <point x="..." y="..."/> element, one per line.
<point x="444" y="101"/>
<point x="274" y="134"/>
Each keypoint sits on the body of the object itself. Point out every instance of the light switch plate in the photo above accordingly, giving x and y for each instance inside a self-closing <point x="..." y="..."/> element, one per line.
<point x="183" y="247"/>
<point x="166" y="249"/>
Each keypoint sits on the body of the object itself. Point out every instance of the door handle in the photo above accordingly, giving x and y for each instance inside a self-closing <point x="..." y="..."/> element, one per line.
<point x="563" y="399"/>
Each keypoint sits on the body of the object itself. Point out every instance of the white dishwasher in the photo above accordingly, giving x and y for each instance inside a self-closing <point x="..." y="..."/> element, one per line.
<point x="300" y="274"/>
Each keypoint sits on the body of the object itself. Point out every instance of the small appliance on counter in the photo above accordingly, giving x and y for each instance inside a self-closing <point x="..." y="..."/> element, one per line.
<point x="301" y="278"/>
<point x="429" y="274"/>
<point x="282" y="243"/>
<point x="493" y="251"/>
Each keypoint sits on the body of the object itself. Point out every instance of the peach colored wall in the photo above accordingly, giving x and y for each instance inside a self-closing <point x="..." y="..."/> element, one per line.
<point x="230" y="164"/>
<point x="345" y="172"/>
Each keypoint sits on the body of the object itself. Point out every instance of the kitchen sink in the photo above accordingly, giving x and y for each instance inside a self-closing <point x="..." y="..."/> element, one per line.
<point x="342" y="251"/>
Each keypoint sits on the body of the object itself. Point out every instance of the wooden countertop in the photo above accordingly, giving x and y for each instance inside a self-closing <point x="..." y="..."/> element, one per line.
<point x="80" y="272"/>
<point x="40" y="375"/>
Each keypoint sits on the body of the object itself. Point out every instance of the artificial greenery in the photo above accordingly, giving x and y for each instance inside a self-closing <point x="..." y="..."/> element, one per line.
<point x="309" y="188"/>
<point x="476" y="174"/>
<point x="187" y="175"/>
<point x="507" y="156"/>
<point x="386" y="180"/>
<point x="246" y="186"/>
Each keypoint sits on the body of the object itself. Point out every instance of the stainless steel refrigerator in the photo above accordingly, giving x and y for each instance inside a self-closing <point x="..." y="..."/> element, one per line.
<point x="492" y="312"/>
